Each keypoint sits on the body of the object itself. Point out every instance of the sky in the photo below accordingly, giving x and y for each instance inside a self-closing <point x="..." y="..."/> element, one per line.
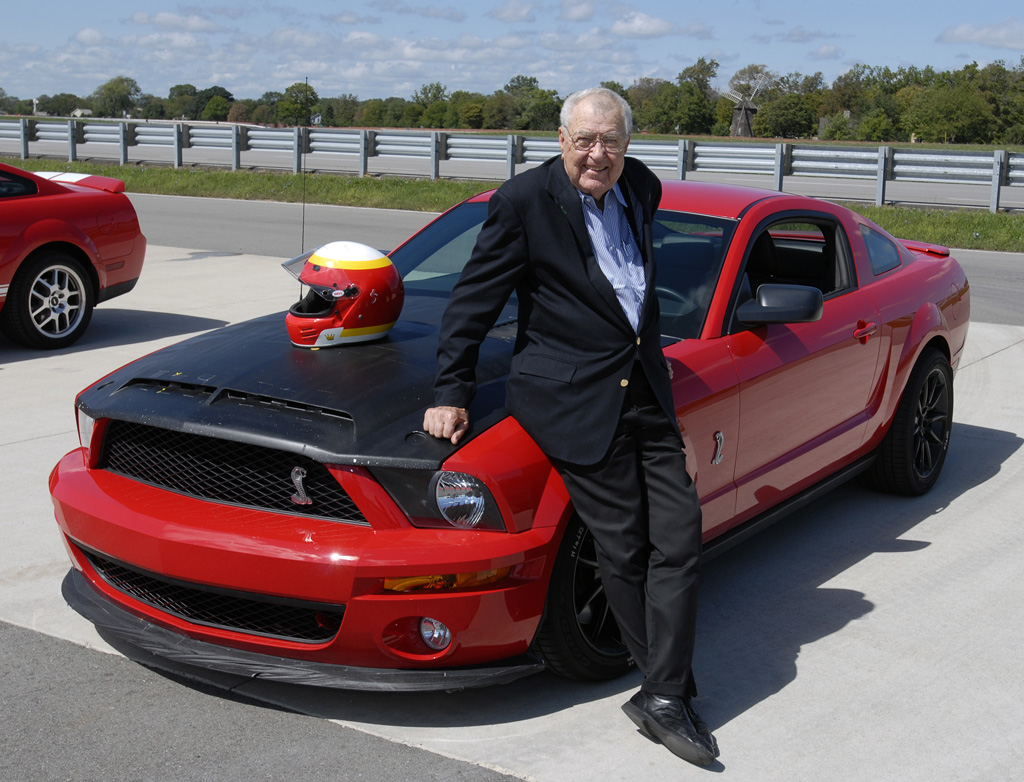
<point x="382" y="48"/>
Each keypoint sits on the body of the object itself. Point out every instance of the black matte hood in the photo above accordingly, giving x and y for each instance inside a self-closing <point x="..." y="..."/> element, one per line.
<point x="353" y="404"/>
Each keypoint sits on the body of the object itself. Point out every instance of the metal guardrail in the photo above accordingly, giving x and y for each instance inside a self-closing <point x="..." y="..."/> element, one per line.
<point x="883" y="164"/>
<point x="1015" y="172"/>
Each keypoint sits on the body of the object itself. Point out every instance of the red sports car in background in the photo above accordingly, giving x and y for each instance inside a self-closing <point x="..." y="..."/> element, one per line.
<point x="806" y="344"/>
<point x="67" y="243"/>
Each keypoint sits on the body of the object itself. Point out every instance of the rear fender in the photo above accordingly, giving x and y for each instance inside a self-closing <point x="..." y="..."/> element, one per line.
<point x="928" y="329"/>
<point x="50" y="232"/>
<point x="56" y="235"/>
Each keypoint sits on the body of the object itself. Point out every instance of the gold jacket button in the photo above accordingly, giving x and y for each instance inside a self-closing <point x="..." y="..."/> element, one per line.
<point x="624" y="382"/>
<point x="638" y="340"/>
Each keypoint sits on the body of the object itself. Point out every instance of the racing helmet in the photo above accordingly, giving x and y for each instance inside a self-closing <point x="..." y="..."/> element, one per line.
<point x="355" y="295"/>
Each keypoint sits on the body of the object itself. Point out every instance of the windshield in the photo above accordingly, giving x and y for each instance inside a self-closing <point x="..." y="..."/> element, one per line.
<point x="688" y="248"/>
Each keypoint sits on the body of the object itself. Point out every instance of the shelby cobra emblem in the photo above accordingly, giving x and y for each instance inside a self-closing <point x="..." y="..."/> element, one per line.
<point x="300" y="497"/>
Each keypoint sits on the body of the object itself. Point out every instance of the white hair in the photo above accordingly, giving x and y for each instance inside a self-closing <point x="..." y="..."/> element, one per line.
<point x="602" y="94"/>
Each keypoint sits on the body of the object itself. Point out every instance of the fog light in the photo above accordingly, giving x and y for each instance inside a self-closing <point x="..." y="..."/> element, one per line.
<point x="435" y="634"/>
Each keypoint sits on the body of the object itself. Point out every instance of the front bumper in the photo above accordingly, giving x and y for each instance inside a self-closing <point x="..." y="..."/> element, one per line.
<point x="284" y="559"/>
<point x="168" y="645"/>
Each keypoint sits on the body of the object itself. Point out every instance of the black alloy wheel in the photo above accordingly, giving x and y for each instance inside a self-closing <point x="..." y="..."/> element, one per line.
<point x="579" y="638"/>
<point x="911" y="456"/>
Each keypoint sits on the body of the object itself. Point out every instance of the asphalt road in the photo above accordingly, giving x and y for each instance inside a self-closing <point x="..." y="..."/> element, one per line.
<point x="286" y="230"/>
<point x="865" y="637"/>
<point x="929" y="193"/>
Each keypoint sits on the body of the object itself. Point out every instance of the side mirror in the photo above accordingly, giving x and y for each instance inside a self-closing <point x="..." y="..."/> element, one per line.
<point x="776" y="303"/>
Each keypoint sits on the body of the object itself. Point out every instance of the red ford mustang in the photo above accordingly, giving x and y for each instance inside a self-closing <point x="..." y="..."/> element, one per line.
<point x="807" y="346"/>
<point x="67" y="243"/>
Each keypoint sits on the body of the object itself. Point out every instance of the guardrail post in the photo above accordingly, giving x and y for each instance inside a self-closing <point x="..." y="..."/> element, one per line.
<point x="125" y="136"/>
<point x="781" y="164"/>
<point x="236" y="147"/>
<point x="437" y="145"/>
<point x="177" y="143"/>
<point x="882" y="174"/>
<point x="998" y="175"/>
<point x="511" y="143"/>
<point x="28" y="128"/>
<point x="72" y="141"/>
<point x="365" y="150"/>
<point x="297" y="151"/>
<point x="684" y="160"/>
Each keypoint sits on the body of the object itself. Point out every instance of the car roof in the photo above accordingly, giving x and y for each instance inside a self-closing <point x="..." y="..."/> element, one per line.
<point x="712" y="198"/>
<point x="707" y="198"/>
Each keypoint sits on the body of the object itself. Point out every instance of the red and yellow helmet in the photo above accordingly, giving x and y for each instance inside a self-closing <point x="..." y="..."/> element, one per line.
<point x="355" y="295"/>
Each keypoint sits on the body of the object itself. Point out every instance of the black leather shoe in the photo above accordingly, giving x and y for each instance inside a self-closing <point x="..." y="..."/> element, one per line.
<point x="667" y="719"/>
<point x="702" y="727"/>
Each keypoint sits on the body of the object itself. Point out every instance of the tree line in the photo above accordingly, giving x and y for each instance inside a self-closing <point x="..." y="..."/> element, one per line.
<point x="975" y="104"/>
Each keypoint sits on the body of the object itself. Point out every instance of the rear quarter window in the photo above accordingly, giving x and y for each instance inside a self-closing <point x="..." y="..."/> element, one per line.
<point x="883" y="254"/>
<point x="12" y="186"/>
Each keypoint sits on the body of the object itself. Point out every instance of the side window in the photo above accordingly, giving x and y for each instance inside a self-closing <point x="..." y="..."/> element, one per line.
<point x="11" y="186"/>
<point x="807" y="250"/>
<point x="883" y="254"/>
<point x="432" y="260"/>
<point x="688" y="250"/>
<point x="797" y="252"/>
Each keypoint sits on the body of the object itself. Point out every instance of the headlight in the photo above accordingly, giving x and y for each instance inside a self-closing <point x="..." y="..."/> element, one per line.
<point x="86" y="426"/>
<point x="460" y="498"/>
<point x="442" y="500"/>
<point x="90" y="432"/>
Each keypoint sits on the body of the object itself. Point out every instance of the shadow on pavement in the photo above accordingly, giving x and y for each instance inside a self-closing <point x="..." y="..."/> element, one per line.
<point x="113" y="327"/>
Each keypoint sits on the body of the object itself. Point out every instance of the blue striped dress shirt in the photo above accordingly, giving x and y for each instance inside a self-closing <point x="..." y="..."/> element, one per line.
<point x="617" y="252"/>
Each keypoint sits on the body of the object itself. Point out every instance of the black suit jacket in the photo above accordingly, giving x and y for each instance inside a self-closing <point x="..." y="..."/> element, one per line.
<point x="575" y="349"/>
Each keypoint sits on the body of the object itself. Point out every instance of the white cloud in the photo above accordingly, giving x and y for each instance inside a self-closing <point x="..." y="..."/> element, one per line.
<point x="347" y="17"/>
<point x="826" y="52"/>
<point x="360" y="38"/>
<point x="168" y="21"/>
<point x="592" y="40"/>
<point x="90" y="36"/>
<point x="514" y="11"/>
<point x="637" y="24"/>
<point x="294" y="38"/>
<point x="800" y="35"/>
<point x="572" y="11"/>
<point x="1008" y="34"/>
<point x="447" y="13"/>
<point x="697" y="30"/>
<point x="513" y="42"/>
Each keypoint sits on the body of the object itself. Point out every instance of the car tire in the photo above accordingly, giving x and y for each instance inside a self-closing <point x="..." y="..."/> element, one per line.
<point x="579" y="638"/>
<point x="49" y="304"/>
<point x="911" y="456"/>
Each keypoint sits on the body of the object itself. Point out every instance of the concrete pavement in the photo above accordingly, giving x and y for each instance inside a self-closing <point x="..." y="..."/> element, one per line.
<point x="866" y="637"/>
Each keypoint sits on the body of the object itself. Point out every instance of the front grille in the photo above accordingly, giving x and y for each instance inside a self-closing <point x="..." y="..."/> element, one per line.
<point x="225" y="471"/>
<point x="307" y="623"/>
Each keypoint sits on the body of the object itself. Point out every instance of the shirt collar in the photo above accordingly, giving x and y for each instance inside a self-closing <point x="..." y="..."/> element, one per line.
<point x="615" y="189"/>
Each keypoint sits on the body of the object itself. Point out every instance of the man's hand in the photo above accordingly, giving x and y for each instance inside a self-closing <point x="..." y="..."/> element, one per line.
<point x="446" y="423"/>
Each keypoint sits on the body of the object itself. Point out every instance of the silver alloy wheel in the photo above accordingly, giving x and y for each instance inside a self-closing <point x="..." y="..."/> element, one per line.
<point x="57" y="300"/>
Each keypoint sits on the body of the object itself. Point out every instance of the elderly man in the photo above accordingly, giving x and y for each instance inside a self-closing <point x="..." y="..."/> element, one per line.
<point x="589" y="383"/>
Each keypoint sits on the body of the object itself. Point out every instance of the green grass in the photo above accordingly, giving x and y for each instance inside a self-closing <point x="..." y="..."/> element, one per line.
<point x="967" y="229"/>
<point x="959" y="228"/>
<point x="385" y="193"/>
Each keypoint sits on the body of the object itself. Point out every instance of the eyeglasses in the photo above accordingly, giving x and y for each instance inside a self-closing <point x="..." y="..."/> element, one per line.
<point x="584" y="142"/>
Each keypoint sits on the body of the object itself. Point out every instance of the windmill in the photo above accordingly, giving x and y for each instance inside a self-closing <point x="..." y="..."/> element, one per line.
<point x="743" y="114"/>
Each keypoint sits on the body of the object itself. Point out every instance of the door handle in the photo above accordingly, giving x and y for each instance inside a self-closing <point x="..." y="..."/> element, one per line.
<point x="864" y="331"/>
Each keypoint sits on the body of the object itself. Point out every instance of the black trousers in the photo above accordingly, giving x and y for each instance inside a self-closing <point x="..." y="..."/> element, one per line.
<point x="641" y="506"/>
